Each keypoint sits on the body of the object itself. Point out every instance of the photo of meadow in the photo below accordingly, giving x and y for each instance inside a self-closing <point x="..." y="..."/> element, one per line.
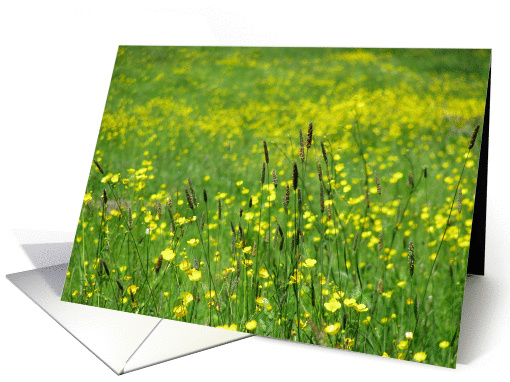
<point x="318" y="195"/>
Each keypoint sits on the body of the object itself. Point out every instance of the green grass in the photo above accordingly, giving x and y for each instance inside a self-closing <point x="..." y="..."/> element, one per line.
<point x="335" y="273"/>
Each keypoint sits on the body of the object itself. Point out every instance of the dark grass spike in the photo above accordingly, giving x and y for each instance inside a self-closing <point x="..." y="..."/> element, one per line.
<point x="266" y="152"/>
<point x="295" y="176"/>
<point x="473" y="137"/>
<point x="99" y="167"/>
<point x="275" y="179"/>
<point x="159" y="264"/>
<point x="324" y="153"/>
<point x="309" y="136"/>
<point x="411" y="258"/>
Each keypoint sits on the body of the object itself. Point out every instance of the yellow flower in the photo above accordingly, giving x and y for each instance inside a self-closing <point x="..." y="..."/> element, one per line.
<point x="309" y="263"/>
<point x="263" y="273"/>
<point x="247" y="250"/>
<point x="115" y="178"/>
<point x="251" y="325"/>
<point x="247" y="262"/>
<point x="187" y="297"/>
<point x="184" y="265"/>
<point x="333" y="305"/>
<point x="87" y="198"/>
<point x="132" y="289"/>
<point x="194" y="275"/>
<point x="420" y="356"/>
<point x="296" y="277"/>
<point x="385" y="355"/>
<point x="350" y="302"/>
<point x="168" y="254"/>
<point x="210" y="294"/>
<point x="360" y="307"/>
<point x="193" y="242"/>
<point x="444" y="344"/>
<point x="332" y="329"/>
<point x="403" y="345"/>
<point x="228" y="327"/>
<point x="180" y="311"/>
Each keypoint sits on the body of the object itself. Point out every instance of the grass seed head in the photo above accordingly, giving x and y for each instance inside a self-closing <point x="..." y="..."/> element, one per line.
<point x="266" y="152"/>
<point x="473" y="137"/>
<point x="309" y="136"/>
<point x="377" y="183"/>
<point x="295" y="176"/>
<point x="321" y="198"/>
<point x="263" y="174"/>
<point x="410" y="253"/>
<point x="380" y="286"/>
<point x="250" y="203"/>
<point x="410" y="179"/>
<point x="205" y="196"/>
<point x="425" y="171"/>
<point x="319" y="171"/>
<point x="158" y="264"/>
<point x="105" y="198"/>
<point x="98" y="166"/>
<point x="219" y="209"/>
<point x="192" y="192"/>
<point x="233" y="242"/>
<point x="324" y="153"/>
<point x="275" y="179"/>
<point x="158" y="210"/>
<point x="189" y="199"/>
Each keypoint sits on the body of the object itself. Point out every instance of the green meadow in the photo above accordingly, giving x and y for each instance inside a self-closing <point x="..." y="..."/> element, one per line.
<point x="316" y="195"/>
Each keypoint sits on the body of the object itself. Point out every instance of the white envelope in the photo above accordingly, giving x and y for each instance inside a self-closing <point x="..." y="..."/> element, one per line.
<point x="123" y="341"/>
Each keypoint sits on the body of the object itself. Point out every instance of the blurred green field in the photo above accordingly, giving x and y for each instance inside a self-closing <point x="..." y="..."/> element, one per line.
<point x="376" y="264"/>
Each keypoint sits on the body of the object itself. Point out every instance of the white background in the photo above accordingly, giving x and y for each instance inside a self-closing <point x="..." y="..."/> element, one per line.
<point x="56" y="62"/>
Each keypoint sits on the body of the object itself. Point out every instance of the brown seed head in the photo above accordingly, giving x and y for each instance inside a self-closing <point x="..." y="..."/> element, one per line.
<point x="377" y="183"/>
<point x="275" y="179"/>
<point x="295" y="176"/>
<point x="473" y="137"/>
<point x="410" y="253"/>
<point x="158" y="264"/>
<point x="158" y="210"/>
<point x="309" y="136"/>
<point x="98" y="166"/>
<point x="266" y="153"/>
<point x="189" y="199"/>
<point x="105" y="197"/>
<point x="324" y="153"/>
<point x="321" y="198"/>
